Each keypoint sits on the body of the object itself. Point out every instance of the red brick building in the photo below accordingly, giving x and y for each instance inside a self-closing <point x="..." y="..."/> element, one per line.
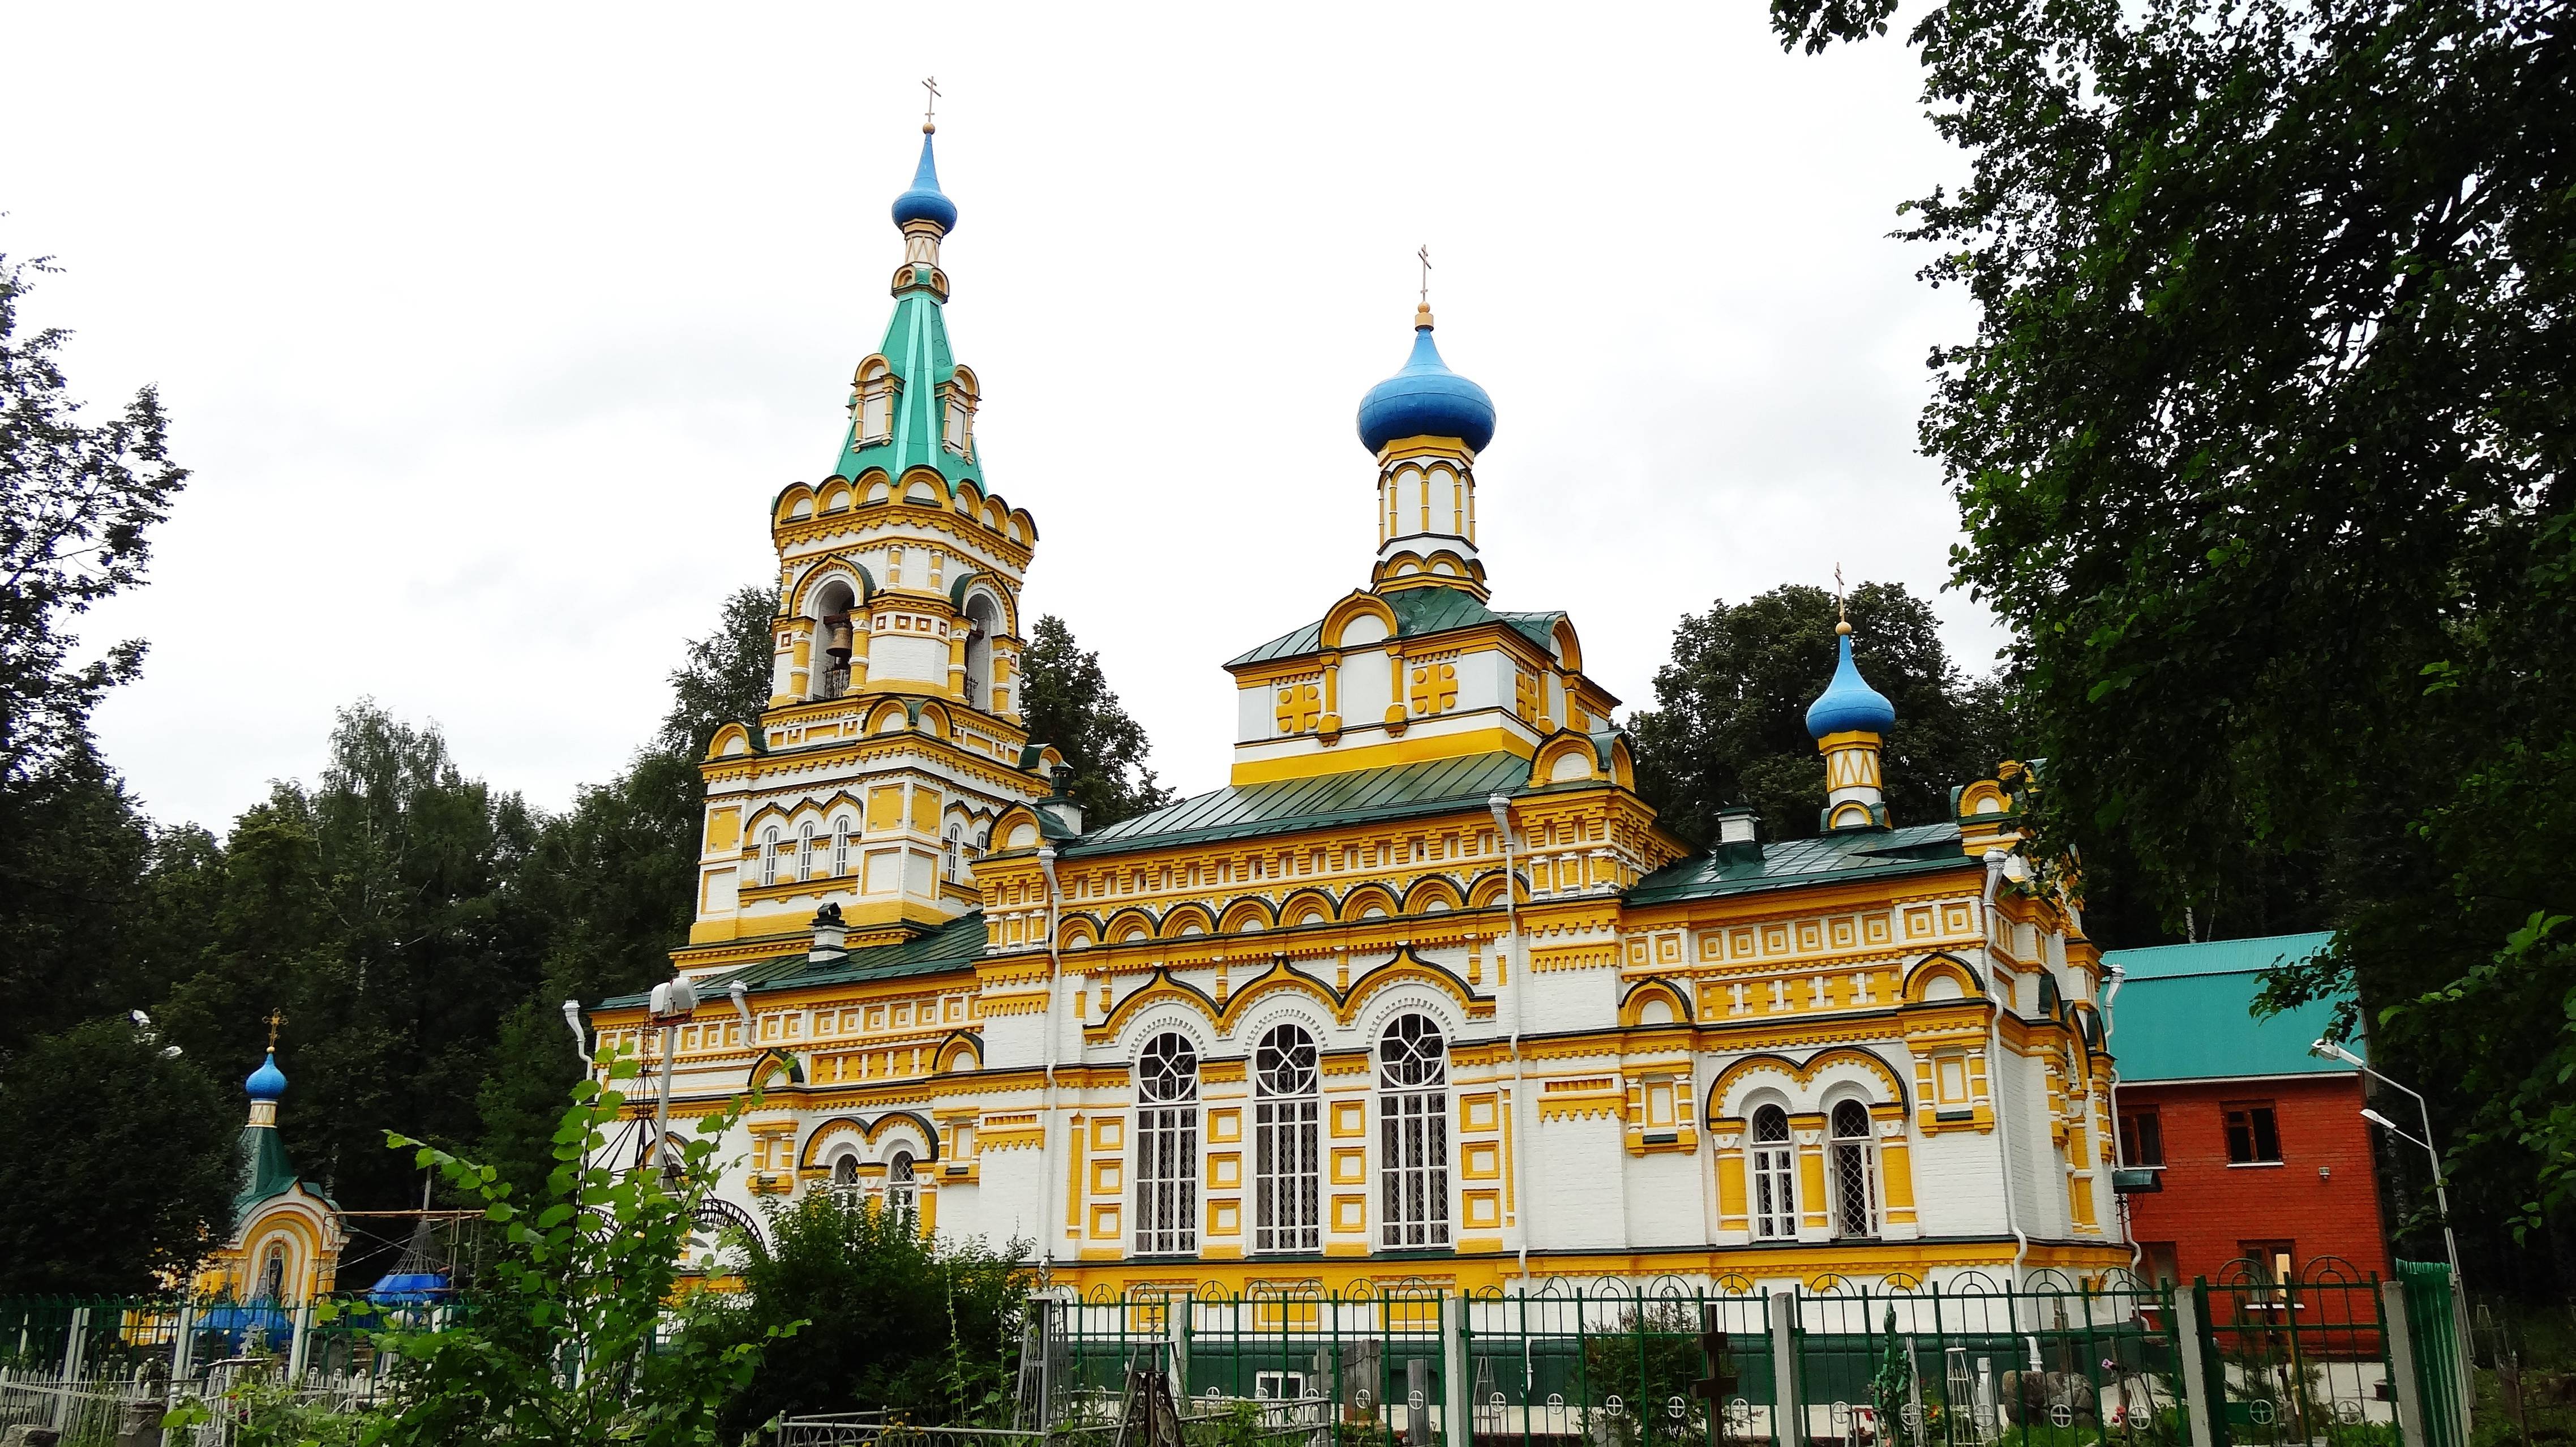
<point x="2249" y="1148"/>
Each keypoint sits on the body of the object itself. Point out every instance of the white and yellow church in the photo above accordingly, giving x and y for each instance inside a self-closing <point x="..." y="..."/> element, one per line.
<point x="1424" y="994"/>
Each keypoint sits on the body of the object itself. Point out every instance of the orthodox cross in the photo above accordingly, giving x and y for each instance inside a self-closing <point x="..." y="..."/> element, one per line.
<point x="1425" y="254"/>
<point x="275" y="1019"/>
<point x="1839" y="615"/>
<point x="931" y="85"/>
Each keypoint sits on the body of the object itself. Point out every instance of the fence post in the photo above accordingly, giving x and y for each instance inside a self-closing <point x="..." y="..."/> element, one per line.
<point x="1458" y="1429"/>
<point x="1784" y="1371"/>
<point x="72" y="1346"/>
<point x="2197" y="1390"/>
<point x="300" y="1343"/>
<point x="2407" y="1386"/>
<point x="183" y="1351"/>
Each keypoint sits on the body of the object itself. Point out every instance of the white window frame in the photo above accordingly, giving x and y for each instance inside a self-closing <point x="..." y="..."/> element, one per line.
<point x="1287" y="1145"/>
<point x="805" y="850"/>
<point x="1167" y="1147"/>
<point x="1775" y="1177"/>
<point x="841" y="846"/>
<point x="1413" y="1135"/>
<point x="902" y="1194"/>
<point x="769" y="855"/>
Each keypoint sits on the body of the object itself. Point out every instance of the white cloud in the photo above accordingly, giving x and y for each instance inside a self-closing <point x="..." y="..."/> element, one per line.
<point x="491" y="331"/>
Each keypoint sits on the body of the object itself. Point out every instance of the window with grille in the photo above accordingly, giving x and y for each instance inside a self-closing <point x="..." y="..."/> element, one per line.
<point x="1855" y="1176"/>
<point x="841" y="847"/>
<point x="2253" y="1135"/>
<point x="1775" y="1174"/>
<point x="1413" y="1134"/>
<point x="769" y="855"/>
<point x="845" y="1179"/>
<point x="1287" y="1174"/>
<point x="1167" y="1147"/>
<point x="899" y="1188"/>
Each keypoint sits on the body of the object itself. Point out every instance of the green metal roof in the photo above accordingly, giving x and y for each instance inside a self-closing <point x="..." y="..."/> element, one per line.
<point x="1431" y="787"/>
<point x="2186" y="1012"/>
<point x="953" y="945"/>
<point x="1418" y="611"/>
<point x="1868" y="853"/>
<point x="265" y="1170"/>
<point x="916" y="347"/>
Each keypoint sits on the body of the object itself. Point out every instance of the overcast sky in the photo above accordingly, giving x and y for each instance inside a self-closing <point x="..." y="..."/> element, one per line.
<point x="489" y="333"/>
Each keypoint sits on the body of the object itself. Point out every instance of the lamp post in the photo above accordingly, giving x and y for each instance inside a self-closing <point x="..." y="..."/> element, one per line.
<point x="2330" y="1050"/>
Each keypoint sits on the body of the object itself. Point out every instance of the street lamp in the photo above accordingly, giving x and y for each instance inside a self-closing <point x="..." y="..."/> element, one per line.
<point x="2330" y="1050"/>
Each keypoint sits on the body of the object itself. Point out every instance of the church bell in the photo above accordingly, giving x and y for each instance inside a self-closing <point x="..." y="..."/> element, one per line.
<point x="836" y="638"/>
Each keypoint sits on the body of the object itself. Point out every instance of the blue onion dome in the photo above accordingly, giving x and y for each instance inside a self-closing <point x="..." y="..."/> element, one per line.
<point x="1426" y="399"/>
<point x="1848" y="704"/>
<point x="267" y="1082"/>
<point x="924" y="202"/>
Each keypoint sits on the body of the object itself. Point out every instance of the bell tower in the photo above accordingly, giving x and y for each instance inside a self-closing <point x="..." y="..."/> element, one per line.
<point x="893" y="735"/>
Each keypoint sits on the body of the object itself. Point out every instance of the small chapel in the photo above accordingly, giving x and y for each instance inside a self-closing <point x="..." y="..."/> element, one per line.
<point x="1424" y="994"/>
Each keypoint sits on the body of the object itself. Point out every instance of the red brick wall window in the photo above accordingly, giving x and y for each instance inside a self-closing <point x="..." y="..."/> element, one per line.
<point x="2271" y="1263"/>
<point x="2253" y="1136"/>
<point x="2142" y="1139"/>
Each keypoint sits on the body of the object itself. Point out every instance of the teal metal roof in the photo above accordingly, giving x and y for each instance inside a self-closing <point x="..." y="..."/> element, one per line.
<point x="1418" y="611"/>
<point x="1432" y="787"/>
<point x="953" y="945"/>
<point x="1871" y="854"/>
<point x="265" y="1170"/>
<point x="2186" y="1012"/>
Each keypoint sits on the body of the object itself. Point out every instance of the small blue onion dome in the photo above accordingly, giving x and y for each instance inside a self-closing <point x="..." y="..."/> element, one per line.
<point x="267" y="1082"/>
<point x="1426" y="399"/>
<point x="924" y="202"/>
<point x="1848" y="703"/>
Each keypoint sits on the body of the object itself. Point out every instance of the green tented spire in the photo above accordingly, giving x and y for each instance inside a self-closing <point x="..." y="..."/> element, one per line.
<point x="916" y="350"/>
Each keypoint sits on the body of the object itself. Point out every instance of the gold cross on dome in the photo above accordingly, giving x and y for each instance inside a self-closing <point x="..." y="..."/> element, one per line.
<point x="275" y="1019"/>
<point x="930" y="84"/>
<point x="1839" y="615"/>
<point x="1425" y="254"/>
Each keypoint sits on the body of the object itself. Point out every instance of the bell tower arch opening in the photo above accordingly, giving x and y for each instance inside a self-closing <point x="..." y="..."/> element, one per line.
<point x="835" y="631"/>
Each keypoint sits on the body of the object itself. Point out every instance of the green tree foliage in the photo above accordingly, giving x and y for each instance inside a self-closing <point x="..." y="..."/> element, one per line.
<point x="77" y="502"/>
<point x="1067" y="702"/>
<point x="580" y="1335"/>
<point x="2262" y="445"/>
<point x="116" y="1162"/>
<point x="892" y="1318"/>
<point x="1729" y="724"/>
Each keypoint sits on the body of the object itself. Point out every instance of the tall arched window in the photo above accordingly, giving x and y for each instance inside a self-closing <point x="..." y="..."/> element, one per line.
<point x="899" y="1188"/>
<point x="845" y="1179"/>
<point x="805" y="851"/>
<point x="1855" y="1173"/>
<point x="1167" y="1147"/>
<point x="272" y="1276"/>
<point x="1775" y="1174"/>
<point x="1287" y="1176"/>
<point x="841" y="847"/>
<point x="1413" y="1134"/>
<point x="769" y="855"/>
<point x="948" y="850"/>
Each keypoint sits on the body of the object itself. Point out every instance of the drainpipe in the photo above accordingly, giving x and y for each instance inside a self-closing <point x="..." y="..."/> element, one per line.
<point x="1996" y="859"/>
<point x="2119" y="1148"/>
<point x="1501" y="805"/>
<point x="1046" y="1138"/>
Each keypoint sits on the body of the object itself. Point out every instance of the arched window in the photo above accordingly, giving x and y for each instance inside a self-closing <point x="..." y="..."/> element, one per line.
<point x="845" y="1180"/>
<point x="948" y="850"/>
<point x="272" y="1275"/>
<point x="1855" y="1173"/>
<point x="805" y="851"/>
<point x="982" y="622"/>
<point x="1413" y="1134"/>
<point x="841" y="847"/>
<point x="769" y="855"/>
<point x="1167" y="1147"/>
<point x="1286" y="1172"/>
<point x="899" y="1188"/>
<point x="835" y="639"/>
<point x="1775" y="1173"/>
